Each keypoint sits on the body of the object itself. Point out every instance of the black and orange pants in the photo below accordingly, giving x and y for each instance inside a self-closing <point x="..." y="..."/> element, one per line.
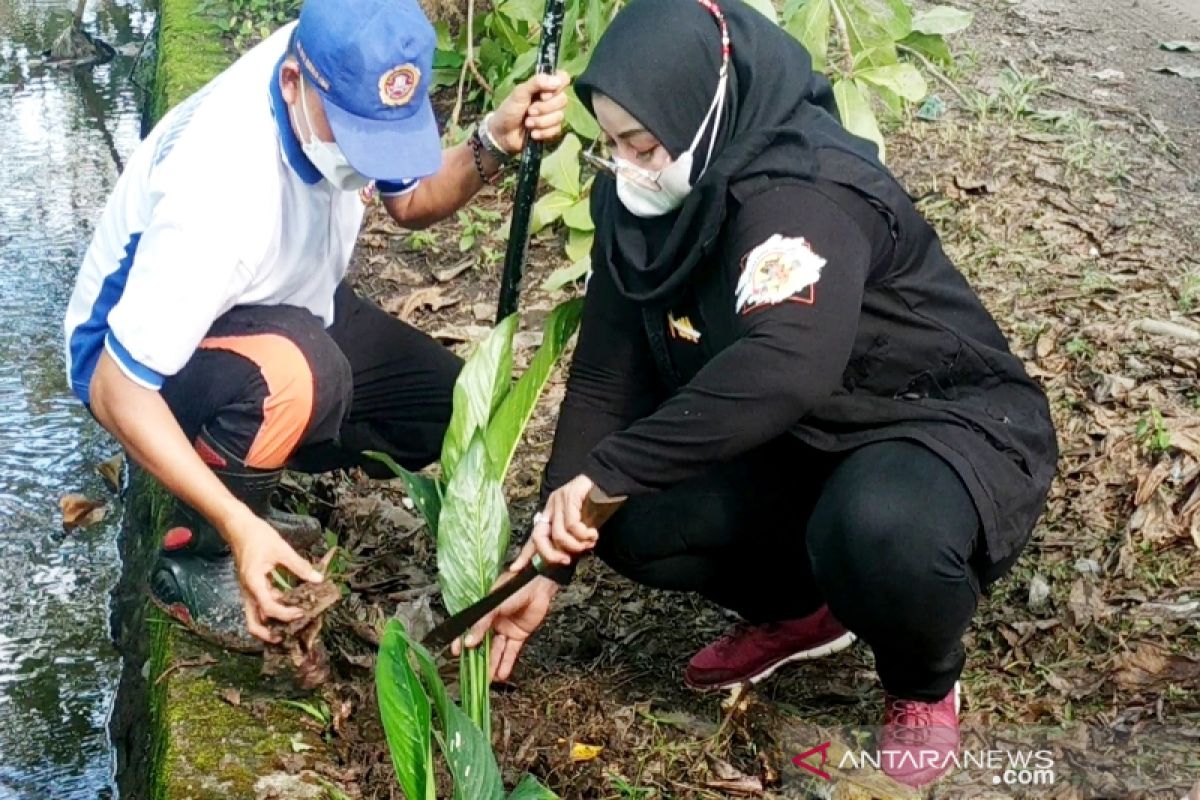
<point x="276" y="388"/>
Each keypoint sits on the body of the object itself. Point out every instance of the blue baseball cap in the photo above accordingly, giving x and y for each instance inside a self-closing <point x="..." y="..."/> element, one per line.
<point x="372" y="63"/>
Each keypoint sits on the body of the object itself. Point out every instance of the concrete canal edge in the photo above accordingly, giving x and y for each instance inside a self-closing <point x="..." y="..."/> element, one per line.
<point x="191" y="722"/>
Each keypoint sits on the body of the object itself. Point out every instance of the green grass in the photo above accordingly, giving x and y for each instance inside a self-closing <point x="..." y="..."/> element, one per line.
<point x="190" y="53"/>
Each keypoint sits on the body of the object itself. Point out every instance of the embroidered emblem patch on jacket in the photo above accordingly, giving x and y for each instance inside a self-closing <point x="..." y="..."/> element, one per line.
<point x="783" y="268"/>
<point x="398" y="85"/>
<point x="682" y="328"/>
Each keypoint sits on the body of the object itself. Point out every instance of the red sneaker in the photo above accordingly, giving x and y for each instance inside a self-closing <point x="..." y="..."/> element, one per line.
<point x="750" y="653"/>
<point x="919" y="740"/>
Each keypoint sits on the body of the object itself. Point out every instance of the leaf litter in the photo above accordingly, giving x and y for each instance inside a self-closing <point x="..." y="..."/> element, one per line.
<point x="1082" y="245"/>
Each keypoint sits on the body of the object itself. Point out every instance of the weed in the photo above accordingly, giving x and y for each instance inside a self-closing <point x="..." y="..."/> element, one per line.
<point x="1152" y="433"/>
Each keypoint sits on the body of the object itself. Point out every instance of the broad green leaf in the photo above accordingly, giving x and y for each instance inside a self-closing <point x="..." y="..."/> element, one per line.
<point x="560" y="169"/>
<point x="932" y="47"/>
<point x="903" y="79"/>
<point x="473" y="529"/>
<point x="468" y="752"/>
<point x="566" y="275"/>
<point x="595" y="20"/>
<point x="530" y="789"/>
<point x="404" y="710"/>
<point x="941" y="20"/>
<point x="549" y="209"/>
<point x="445" y="39"/>
<point x="872" y="26"/>
<point x="856" y="113"/>
<point x="810" y="25"/>
<point x="425" y="491"/>
<point x="579" y="119"/>
<point x="892" y="103"/>
<point x="482" y="384"/>
<point x="579" y="245"/>
<point x="579" y="216"/>
<point x="522" y="68"/>
<point x="510" y="420"/>
<point x="764" y="7"/>
<point x="528" y="11"/>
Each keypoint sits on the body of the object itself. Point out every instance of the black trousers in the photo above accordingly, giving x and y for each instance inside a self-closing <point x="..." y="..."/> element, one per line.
<point x="886" y="535"/>
<point x="274" y="387"/>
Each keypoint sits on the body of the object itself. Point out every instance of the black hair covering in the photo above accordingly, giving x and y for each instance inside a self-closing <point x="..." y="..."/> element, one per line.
<point x="660" y="61"/>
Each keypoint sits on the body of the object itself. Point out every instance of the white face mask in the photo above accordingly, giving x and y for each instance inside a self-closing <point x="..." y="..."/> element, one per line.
<point x="327" y="157"/>
<point x="652" y="194"/>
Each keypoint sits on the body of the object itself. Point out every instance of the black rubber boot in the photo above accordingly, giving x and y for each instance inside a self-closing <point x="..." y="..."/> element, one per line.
<point x="195" y="579"/>
<point x="254" y="487"/>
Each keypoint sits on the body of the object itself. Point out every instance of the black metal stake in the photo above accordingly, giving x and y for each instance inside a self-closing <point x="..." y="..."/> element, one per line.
<point x="527" y="178"/>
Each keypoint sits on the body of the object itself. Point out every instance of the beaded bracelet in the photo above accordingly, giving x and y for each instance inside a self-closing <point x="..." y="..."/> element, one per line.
<point x="477" y="155"/>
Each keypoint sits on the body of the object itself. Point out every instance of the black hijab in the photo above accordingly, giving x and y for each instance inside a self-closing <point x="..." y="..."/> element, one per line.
<point x="660" y="61"/>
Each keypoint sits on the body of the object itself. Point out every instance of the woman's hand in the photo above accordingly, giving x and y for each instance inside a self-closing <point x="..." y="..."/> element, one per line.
<point x="560" y="533"/>
<point x="258" y="549"/>
<point x="512" y="624"/>
<point x="520" y="113"/>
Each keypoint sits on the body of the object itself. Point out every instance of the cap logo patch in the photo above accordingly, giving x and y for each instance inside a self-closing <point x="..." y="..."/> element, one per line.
<point x="398" y="85"/>
<point x="780" y="269"/>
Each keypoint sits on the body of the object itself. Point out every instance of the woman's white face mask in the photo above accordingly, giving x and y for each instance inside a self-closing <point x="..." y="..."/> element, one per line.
<point x="651" y="194"/>
<point x="327" y="157"/>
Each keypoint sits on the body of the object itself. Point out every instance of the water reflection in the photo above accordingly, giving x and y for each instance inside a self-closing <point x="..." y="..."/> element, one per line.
<point x="62" y="135"/>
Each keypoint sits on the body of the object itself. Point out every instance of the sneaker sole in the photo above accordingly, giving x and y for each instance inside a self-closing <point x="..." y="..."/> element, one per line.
<point x="829" y="648"/>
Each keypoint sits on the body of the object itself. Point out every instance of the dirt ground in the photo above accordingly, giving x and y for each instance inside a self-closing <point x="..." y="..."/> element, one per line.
<point x="1064" y="181"/>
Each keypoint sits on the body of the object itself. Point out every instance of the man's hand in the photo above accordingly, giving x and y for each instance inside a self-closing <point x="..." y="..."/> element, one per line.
<point x="258" y="549"/>
<point x="560" y="532"/>
<point x="512" y="624"/>
<point x="519" y="113"/>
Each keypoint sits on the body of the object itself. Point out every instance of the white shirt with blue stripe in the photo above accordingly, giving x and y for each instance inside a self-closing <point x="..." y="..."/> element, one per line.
<point x="218" y="207"/>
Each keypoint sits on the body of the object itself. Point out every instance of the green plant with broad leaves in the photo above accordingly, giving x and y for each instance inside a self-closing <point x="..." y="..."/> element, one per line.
<point x="567" y="201"/>
<point x="410" y="697"/>
<point x="863" y="46"/>
<point x="492" y="52"/>
<point x="466" y="513"/>
<point x="245" y="22"/>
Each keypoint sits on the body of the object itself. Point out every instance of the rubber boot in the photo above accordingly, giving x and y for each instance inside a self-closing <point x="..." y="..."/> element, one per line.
<point x="195" y="579"/>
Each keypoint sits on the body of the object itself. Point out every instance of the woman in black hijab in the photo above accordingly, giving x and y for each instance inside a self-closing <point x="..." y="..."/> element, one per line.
<point x="811" y="418"/>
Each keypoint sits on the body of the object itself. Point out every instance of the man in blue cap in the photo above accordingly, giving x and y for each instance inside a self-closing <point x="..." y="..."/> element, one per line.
<point x="211" y="329"/>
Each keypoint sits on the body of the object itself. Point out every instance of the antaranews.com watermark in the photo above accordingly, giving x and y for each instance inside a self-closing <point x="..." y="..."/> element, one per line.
<point x="1142" y="761"/>
<point x="1008" y="767"/>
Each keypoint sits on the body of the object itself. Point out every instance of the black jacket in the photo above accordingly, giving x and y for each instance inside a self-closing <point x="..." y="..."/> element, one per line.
<point x="890" y="343"/>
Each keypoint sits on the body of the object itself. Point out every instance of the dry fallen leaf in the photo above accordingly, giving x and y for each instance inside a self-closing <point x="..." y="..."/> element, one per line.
<point x="231" y="695"/>
<point x="585" y="752"/>
<point x="430" y="297"/>
<point x="110" y="470"/>
<point x="1149" y="481"/>
<point x="79" y="511"/>
<point x="729" y="778"/>
<point x="1153" y="666"/>
<point x="1086" y="603"/>
<point x="450" y="273"/>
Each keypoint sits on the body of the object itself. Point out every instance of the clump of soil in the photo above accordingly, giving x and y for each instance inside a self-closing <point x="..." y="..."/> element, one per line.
<point x="301" y="648"/>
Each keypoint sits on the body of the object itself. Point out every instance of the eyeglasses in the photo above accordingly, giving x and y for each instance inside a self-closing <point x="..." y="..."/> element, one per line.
<point x="597" y="158"/>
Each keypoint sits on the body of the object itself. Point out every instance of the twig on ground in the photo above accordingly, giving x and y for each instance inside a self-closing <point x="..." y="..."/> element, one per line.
<point x="1161" y="327"/>
<point x="202" y="661"/>
<point x="935" y="72"/>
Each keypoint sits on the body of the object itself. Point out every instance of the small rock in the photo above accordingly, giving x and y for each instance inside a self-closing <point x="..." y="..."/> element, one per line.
<point x="1087" y="566"/>
<point x="1109" y="75"/>
<point x="1039" y="592"/>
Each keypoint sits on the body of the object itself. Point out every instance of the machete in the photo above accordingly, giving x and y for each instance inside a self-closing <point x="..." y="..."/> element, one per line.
<point x="597" y="509"/>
